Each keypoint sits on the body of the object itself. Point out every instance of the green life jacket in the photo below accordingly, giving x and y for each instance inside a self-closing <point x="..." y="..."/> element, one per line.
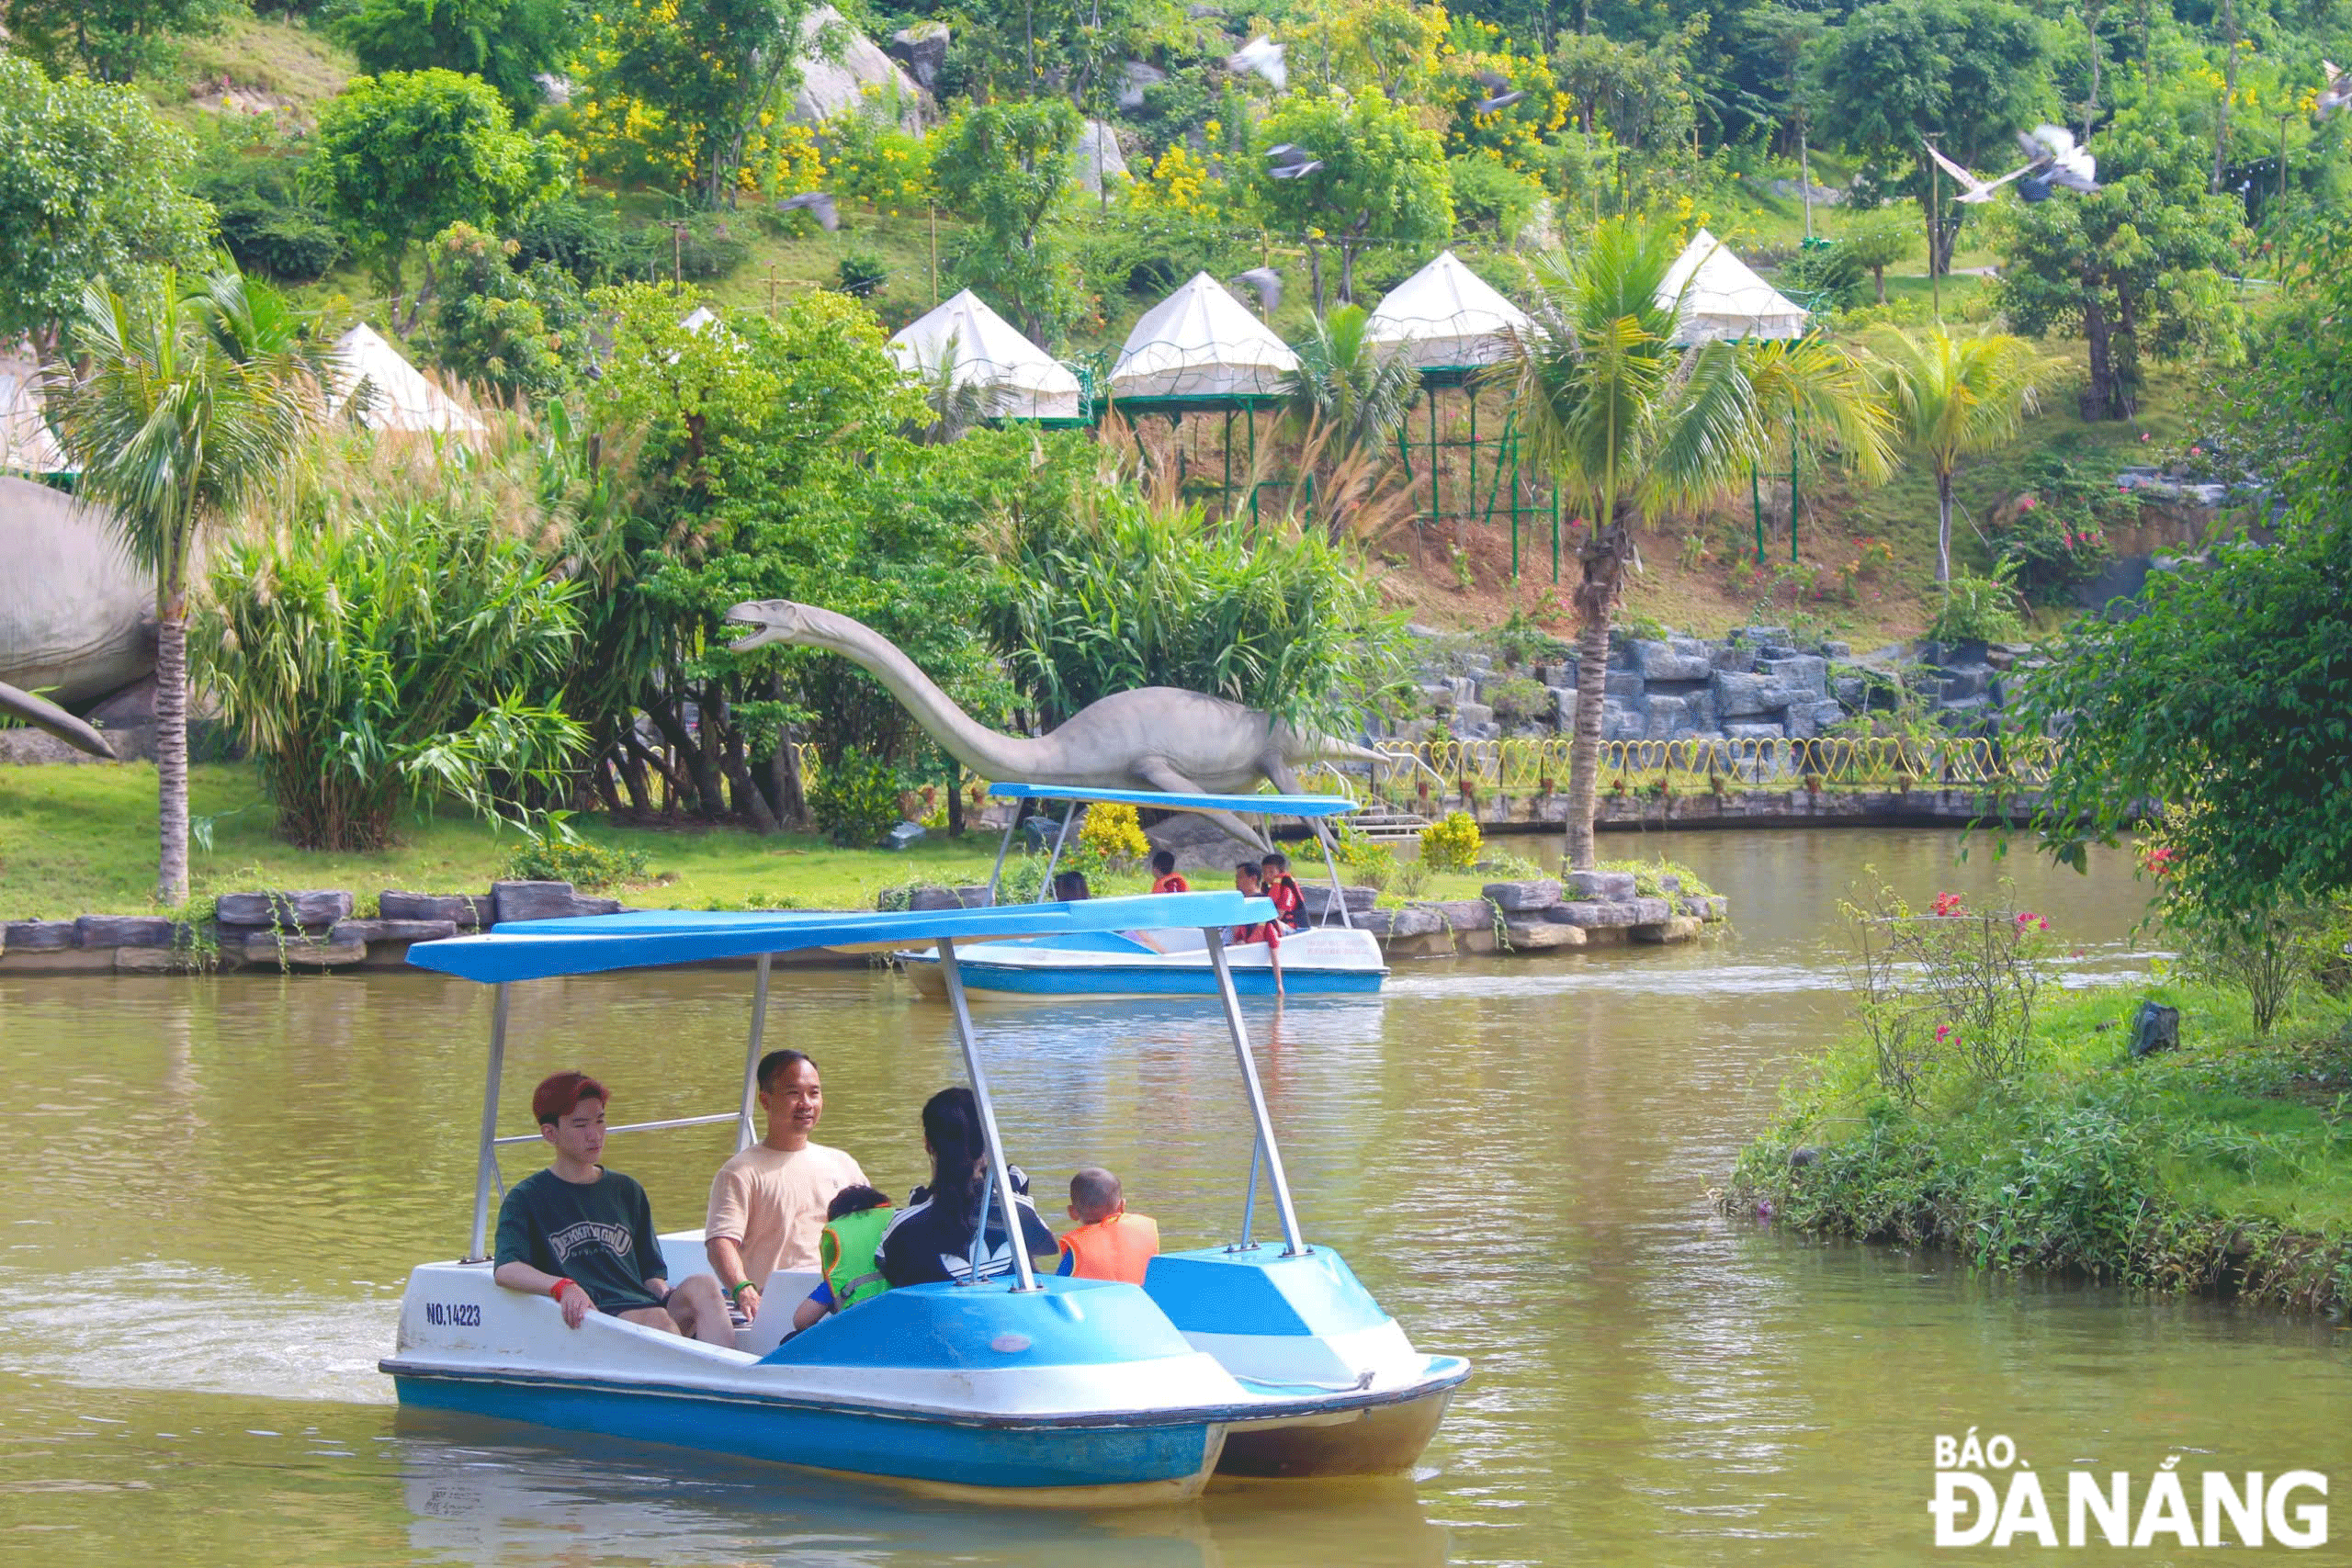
<point x="845" y="1253"/>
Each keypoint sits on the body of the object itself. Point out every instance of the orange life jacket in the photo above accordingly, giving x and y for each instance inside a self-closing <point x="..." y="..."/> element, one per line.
<point x="1172" y="882"/>
<point x="1120" y="1248"/>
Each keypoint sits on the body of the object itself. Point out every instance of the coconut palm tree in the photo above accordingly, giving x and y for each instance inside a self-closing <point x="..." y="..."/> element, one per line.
<point x="1357" y="390"/>
<point x="1953" y="395"/>
<point x="198" y="392"/>
<point x="1629" y="422"/>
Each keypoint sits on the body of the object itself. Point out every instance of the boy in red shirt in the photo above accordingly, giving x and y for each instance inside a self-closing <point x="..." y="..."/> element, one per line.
<point x="1290" y="899"/>
<point x="1163" y="874"/>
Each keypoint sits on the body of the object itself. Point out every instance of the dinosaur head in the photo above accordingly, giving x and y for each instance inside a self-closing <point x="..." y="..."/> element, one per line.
<point x="771" y="620"/>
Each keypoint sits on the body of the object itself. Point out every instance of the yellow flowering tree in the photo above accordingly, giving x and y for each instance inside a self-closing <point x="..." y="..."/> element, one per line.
<point x="684" y="92"/>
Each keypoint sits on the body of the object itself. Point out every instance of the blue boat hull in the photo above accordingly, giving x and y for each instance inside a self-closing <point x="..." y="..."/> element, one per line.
<point x="1082" y="1464"/>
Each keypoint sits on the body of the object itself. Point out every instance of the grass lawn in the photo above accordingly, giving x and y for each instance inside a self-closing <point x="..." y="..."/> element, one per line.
<point x="81" y="840"/>
<point x="2226" y="1164"/>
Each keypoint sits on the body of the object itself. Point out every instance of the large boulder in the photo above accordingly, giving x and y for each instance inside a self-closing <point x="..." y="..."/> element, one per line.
<point x="921" y="49"/>
<point x="838" y="63"/>
<point x="1098" y="158"/>
<point x="76" y="614"/>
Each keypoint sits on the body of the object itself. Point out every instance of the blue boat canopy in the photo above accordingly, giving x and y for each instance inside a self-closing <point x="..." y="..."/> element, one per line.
<point x="538" y="949"/>
<point x="1274" y="805"/>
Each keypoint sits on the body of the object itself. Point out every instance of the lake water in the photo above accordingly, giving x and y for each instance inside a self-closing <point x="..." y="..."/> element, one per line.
<point x="211" y="1192"/>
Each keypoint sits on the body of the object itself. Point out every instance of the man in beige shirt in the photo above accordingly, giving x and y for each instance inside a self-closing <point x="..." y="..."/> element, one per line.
<point x="767" y="1204"/>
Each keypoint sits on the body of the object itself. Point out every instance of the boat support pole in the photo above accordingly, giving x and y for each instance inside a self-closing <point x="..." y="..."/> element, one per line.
<point x="1338" y="897"/>
<point x="996" y="873"/>
<point x="486" y="1163"/>
<point x="999" y="1171"/>
<point x="1292" y="1245"/>
<point x="751" y="1058"/>
<point x="1045" y="887"/>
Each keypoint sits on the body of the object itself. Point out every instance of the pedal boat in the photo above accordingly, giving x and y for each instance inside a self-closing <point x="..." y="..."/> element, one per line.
<point x="1333" y="957"/>
<point x="1254" y="1357"/>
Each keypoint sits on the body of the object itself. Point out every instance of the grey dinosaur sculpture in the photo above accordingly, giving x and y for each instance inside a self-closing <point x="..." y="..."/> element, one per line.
<point x="76" y="614"/>
<point x="1156" y="738"/>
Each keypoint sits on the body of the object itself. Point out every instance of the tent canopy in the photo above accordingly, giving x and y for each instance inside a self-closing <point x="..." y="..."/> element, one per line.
<point x="980" y="347"/>
<point x="26" y="444"/>
<point x="401" y="398"/>
<point x="1201" y="343"/>
<point x="1726" y="299"/>
<point x="1446" y="317"/>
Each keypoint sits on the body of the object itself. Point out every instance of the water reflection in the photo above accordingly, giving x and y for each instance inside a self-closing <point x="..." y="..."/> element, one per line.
<point x="213" y="1190"/>
<point x="480" y="1492"/>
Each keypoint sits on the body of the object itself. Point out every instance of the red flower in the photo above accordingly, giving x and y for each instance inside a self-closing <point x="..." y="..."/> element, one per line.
<point x="2028" y="921"/>
<point x="2027" y="504"/>
<point x="1947" y="904"/>
<point x="1943" y="1033"/>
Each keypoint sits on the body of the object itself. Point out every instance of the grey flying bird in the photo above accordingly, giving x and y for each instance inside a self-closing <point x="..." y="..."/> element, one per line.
<point x="1269" y="285"/>
<point x="2337" y="90"/>
<point x="816" y="202"/>
<point x="1287" y="161"/>
<point x="1499" y="101"/>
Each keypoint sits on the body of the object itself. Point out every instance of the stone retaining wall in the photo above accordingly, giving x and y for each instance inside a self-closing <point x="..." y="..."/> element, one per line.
<point x="307" y="930"/>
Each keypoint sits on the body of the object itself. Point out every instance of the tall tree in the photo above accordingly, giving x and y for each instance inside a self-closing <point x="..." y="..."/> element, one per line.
<point x="113" y="41"/>
<point x="1952" y="396"/>
<point x="507" y="43"/>
<point x="402" y="156"/>
<point x="1629" y="422"/>
<point x="1965" y="73"/>
<point x="1007" y="167"/>
<point x="710" y="69"/>
<point x="90" y="186"/>
<point x="1383" y="178"/>
<point x="194" y="397"/>
<point x="2141" y="264"/>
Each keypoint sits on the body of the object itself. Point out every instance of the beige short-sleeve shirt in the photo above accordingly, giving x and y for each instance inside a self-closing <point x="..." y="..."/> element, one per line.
<point x="772" y="1202"/>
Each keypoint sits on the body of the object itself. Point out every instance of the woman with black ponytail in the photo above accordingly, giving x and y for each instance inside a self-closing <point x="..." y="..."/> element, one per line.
<point x="930" y="1238"/>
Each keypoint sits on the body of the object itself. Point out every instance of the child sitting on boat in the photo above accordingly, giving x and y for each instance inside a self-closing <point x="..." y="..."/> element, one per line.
<point x="854" y="1228"/>
<point x="1108" y="1243"/>
<point x="930" y="1240"/>
<point x="1290" y="899"/>
<point x="1164" y="877"/>
<point x="1248" y="880"/>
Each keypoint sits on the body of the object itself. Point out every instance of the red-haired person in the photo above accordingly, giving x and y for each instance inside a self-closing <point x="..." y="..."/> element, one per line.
<point x="584" y="1235"/>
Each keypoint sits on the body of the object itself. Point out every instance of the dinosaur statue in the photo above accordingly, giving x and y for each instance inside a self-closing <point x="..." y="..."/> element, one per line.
<point x="1159" y="737"/>
<point x="76" y="613"/>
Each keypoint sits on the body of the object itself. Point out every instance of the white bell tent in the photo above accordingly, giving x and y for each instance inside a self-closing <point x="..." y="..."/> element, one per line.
<point x="399" y="395"/>
<point x="27" y="444"/>
<point x="1725" y="297"/>
<point x="1201" y="346"/>
<point x="1446" y="317"/>
<point x="981" y="347"/>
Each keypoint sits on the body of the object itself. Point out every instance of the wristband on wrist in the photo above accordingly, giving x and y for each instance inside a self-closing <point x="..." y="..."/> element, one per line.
<point x="735" y="1292"/>
<point x="555" y="1292"/>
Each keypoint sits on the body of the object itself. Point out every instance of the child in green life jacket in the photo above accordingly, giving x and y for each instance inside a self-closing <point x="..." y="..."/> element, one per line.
<point x="854" y="1222"/>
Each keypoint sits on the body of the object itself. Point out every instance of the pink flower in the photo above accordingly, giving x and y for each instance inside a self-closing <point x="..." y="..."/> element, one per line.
<point x="2027" y="504"/>
<point x="2197" y="451"/>
<point x="2144" y="436"/>
<point x="1943" y="1033"/>
<point x="2028" y="921"/>
<point x="1947" y="904"/>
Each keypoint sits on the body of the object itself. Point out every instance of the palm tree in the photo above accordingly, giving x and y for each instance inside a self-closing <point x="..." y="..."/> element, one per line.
<point x="957" y="402"/>
<point x="1357" y="390"/>
<point x="1953" y="395"/>
<point x="195" y="396"/>
<point x="1628" y="423"/>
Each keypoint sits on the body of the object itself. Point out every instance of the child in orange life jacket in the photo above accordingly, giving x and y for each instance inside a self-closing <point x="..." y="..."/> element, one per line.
<point x="1108" y="1243"/>
<point x="854" y="1222"/>
<point x="1290" y="899"/>
<point x="1164" y="878"/>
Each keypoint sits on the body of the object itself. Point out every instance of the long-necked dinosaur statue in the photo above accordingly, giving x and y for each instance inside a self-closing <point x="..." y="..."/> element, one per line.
<point x="1158" y="738"/>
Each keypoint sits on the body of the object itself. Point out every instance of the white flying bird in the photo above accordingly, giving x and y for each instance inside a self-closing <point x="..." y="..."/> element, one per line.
<point x="1973" y="190"/>
<point x="1264" y="56"/>
<point x="818" y="203"/>
<point x="2057" y="161"/>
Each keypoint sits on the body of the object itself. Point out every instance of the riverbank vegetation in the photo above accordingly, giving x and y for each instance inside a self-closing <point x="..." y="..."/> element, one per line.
<point x="2224" y="1167"/>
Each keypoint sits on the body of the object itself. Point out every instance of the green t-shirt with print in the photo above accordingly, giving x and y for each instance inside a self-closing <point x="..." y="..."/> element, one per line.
<point x="599" y="1234"/>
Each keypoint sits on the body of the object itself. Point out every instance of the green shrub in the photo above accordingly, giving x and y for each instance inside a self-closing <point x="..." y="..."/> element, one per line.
<point x="546" y="857"/>
<point x="863" y="272"/>
<point x="581" y="234"/>
<point x="1647" y="876"/>
<point x="1504" y="866"/>
<point x="1452" y="844"/>
<point x="268" y="225"/>
<point x="1518" y="700"/>
<point x="855" y="800"/>
<point x="1366" y="864"/>
<point x="1523" y="640"/>
<point x="1488" y="194"/>
<point x="1825" y="277"/>
<point x="1979" y="609"/>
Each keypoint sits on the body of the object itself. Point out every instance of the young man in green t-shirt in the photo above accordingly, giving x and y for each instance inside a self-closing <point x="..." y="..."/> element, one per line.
<point x="584" y="1235"/>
